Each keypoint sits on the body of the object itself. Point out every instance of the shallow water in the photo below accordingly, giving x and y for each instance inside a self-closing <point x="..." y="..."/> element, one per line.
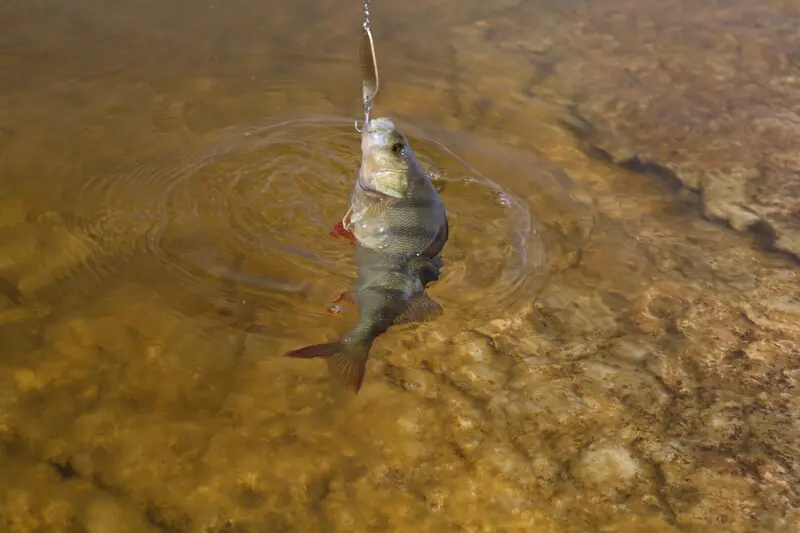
<point x="610" y="358"/>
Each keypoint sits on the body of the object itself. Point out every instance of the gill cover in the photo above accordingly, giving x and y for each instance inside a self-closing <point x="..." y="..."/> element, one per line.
<point x="385" y="159"/>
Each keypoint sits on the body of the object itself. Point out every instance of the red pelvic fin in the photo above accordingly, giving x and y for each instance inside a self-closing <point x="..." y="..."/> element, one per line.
<point x="347" y="297"/>
<point x="340" y="231"/>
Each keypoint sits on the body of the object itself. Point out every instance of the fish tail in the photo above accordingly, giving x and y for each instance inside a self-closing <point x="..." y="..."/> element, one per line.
<point x="347" y="363"/>
<point x="315" y="350"/>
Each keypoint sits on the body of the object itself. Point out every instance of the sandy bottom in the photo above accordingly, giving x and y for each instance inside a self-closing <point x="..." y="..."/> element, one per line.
<point x="611" y="357"/>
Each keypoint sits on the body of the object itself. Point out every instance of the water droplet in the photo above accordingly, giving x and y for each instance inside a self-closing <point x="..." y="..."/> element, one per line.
<point x="503" y="199"/>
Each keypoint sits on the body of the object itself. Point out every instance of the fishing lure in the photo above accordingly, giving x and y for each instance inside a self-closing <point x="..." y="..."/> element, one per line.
<point x="369" y="66"/>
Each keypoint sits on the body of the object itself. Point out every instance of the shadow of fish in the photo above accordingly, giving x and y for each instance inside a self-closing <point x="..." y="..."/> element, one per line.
<point x="400" y="228"/>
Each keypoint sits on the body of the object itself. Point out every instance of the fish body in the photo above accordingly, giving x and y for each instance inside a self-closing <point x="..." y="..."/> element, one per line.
<point x="395" y="206"/>
<point x="389" y="290"/>
<point x="400" y="228"/>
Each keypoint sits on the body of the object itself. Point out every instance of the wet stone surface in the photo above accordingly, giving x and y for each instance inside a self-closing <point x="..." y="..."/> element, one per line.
<point x="705" y="94"/>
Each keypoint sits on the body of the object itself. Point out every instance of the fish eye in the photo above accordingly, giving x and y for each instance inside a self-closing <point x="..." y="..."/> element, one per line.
<point x="398" y="148"/>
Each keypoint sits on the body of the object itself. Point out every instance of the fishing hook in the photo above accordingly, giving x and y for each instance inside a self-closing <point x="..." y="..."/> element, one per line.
<point x="366" y="118"/>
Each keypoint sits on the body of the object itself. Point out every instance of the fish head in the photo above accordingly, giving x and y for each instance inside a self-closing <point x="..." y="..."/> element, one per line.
<point x="386" y="158"/>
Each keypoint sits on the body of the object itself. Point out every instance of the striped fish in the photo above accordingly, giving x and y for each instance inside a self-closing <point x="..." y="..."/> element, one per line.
<point x="400" y="228"/>
<point x="394" y="205"/>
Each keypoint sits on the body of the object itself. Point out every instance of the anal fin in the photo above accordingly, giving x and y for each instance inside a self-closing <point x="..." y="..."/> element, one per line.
<point x="348" y="297"/>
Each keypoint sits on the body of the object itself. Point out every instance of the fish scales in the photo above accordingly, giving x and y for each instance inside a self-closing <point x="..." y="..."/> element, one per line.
<point x="400" y="228"/>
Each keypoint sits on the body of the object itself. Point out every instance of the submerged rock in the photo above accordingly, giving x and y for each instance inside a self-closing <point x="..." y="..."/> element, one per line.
<point x="647" y="380"/>
<point x="608" y="469"/>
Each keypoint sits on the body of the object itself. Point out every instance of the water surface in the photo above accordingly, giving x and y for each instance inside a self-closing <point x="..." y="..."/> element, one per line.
<point x="611" y="358"/>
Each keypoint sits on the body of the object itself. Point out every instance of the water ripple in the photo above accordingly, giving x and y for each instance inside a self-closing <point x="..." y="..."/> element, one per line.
<point x="248" y="218"/>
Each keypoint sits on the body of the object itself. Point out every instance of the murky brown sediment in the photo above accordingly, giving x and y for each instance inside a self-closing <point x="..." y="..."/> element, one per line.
<point x="610" y="359"/>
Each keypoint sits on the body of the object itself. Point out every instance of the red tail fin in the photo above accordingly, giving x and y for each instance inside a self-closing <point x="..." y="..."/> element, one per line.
<point x="346" y="366"/>
<point x="315" y="350"/>
<point x="348" y="370"/>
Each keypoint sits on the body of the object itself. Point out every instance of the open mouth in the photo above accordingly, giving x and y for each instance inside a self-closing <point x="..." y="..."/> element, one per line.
<point x="380" y="124"/>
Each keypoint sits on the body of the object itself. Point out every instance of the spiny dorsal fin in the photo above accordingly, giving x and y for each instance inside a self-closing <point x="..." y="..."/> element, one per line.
<point x="420" y="309"/>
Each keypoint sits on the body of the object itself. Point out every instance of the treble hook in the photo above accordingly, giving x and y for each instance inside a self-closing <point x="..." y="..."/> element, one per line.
<point x="366" y="118"/>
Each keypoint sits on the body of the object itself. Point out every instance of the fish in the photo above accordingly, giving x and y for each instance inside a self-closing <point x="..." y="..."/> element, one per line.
<point x="394" y="206"/>
<point x="400" y="227"/>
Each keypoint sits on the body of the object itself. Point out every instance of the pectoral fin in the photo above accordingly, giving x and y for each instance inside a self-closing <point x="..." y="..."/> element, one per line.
<point x="377" y="207"/>
<point x="420" y="309"/>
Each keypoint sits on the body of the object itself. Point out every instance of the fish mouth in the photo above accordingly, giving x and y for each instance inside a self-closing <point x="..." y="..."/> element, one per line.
<point x="380" y="124"/>
<point x="377" y="132"/>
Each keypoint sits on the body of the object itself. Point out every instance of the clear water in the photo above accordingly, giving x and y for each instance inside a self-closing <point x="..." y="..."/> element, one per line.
<point x="608" y="359"/>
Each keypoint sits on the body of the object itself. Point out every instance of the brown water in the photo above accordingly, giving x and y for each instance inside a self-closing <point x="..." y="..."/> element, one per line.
<point x="608" y="360"/>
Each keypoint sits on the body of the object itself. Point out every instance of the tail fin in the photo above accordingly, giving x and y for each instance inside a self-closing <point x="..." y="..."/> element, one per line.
<point x="347" y="364"/>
